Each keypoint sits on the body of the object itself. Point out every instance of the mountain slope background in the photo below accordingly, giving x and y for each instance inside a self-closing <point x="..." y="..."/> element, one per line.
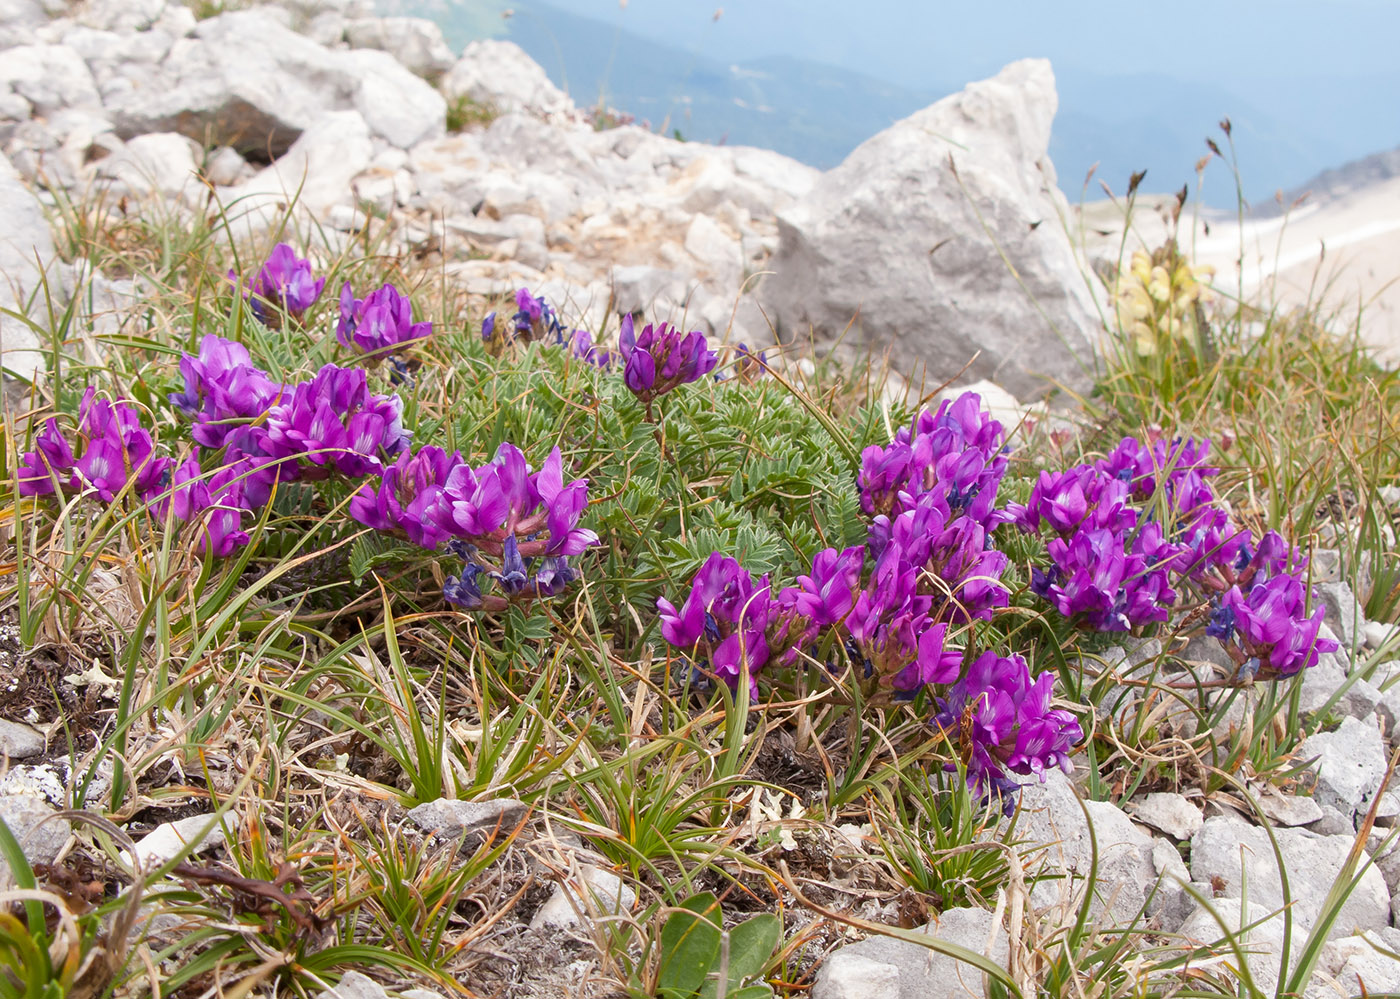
<point x="1306" y="86"/>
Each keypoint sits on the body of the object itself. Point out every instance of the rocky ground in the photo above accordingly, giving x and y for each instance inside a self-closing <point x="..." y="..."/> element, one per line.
<point x="123" y="105"/>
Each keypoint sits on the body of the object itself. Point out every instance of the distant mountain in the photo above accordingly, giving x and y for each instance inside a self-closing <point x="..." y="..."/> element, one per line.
<point x="1337" y="183"/>
<point x="810" y="111"/>
<point x="675" y="72"/>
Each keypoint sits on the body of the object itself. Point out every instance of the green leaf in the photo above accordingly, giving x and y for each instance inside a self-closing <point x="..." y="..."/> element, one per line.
<point x="689" y="945"/>
<point x="374" y="550"/>
<point x="751" y="944"/>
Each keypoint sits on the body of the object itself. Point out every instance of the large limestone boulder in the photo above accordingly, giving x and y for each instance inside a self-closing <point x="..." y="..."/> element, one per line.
<point x="25" y="244"/>
<point x="415" y="42"/>
<point x="247" y="80"/>
<point x="907" y="238"/>
<point x="500" y="75"/>
<point x="316" y="172"/>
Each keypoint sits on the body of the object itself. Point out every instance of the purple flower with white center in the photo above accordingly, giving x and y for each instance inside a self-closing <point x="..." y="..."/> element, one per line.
<point x="379" y="324"/>
<point x="660" y="358"/>
<point x="1001" y="723"/>
<point x="284" y="284"/>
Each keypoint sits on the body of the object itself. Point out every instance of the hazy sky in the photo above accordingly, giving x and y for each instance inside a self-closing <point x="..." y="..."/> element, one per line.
<point x="1311" y="84"/>
<point x="922" y="43"/>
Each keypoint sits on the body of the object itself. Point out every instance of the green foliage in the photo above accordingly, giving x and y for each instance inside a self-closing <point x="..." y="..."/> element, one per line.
<point x="464" y="114"/>
<point x="697" y="953"/>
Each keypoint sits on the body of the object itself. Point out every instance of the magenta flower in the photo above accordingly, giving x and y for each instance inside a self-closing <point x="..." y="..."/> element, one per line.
<point x="284" y="284"/>
<point x="1268" y="631"/>
<point x="224" y="392"/>
<point x="52" y="458"/>
<point x="379" y="324"/>
<point x="660" y="358"/>
<point x="724" y="620"/>
<point x="333" y="421"/>
<point x="1002" y="723"/>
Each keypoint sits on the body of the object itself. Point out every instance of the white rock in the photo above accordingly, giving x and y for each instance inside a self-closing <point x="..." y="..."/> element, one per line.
<point x="1237" y="853"/>
<point x="164" y="162"/>
<point x="1379" y="633"/>
<point x="395" y="104"/>
<point x="19" y="742"/>
<point x="647" y="290"/>
<point x="1050" y="815"/>
<point x="498" y="74"/>
<point x="50" y="77"/>
<point x="1351" y="763"/>
<point x="356" y="985"/>
<point x="716" y="251"/>
<point x="191" y="835"/>
<point x="1172" y="814"/>
<point x="894" y="236"/>
<point x="24" y="239"/>
<point x="567" y="906"/>
<point x="225" y="167"/>
<point x="1263" y="942"/>
<point x="415" y="42"/>
<point x="320" y="165"/>
<point x="449" y="818"/>
<point x="846" y="975"/>
<point x="247" y="80"/>
<point x="1360" y="967"/>
<point x="922" y="973"/>
<point x="1287" y="809"/>
<point x="18" y="21"/>
<point x="32" y="822"/>
<point x="1344" y="614"/>
<point x="120" y="15"/>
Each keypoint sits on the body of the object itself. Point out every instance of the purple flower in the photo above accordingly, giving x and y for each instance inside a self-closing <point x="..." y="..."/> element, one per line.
<point x="1270" y="627"/>
<point x="224" y="392"/>
<point x="660" y="358"/>
<point x="334" y="421"/>
<point x="52" y="458"/>
<point x="379" y="324"/>
<point x="954" y="453"/>
<point x="285" y="284"/>
<point x="1002" y="722"/>
<point x="518" y="579"/>
<point x="724" y="618"/>
<point x="432" y="496"/>
<point x="581" y="345"/>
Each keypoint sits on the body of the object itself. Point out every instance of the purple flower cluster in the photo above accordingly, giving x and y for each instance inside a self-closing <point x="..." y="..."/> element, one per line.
<point x="1113" y="559"/>
<point x="535" y="320"/>
<point x="273" y="432"/>
<point x="113" y="451"/>
<point x="378" y="324"/>
<point x="933" y="494"/>
<point x="284" y="284"/>
<point x="1001" y="722"/>
<point x="1260" y="612"/>
<point x="955" y="453"/>
<point x="502" y="511"/>
<point x="1135" y="527"/>
<point x="661" y="358"/>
